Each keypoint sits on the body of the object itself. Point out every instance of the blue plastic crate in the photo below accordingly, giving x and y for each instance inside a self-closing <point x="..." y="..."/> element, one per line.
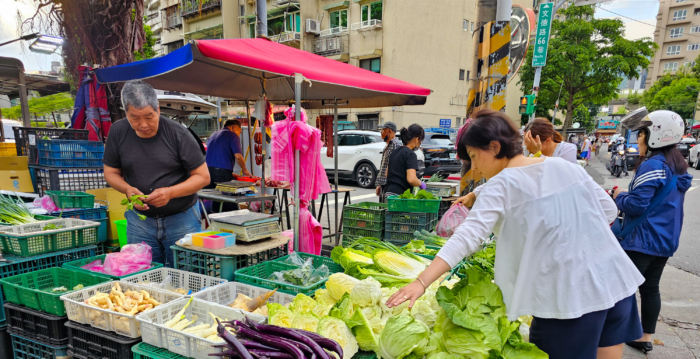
<point x="73" y="163"/>
<point x="70" y="153"/>
<point x="70" y="146"/>
<point x="97" y="214"/>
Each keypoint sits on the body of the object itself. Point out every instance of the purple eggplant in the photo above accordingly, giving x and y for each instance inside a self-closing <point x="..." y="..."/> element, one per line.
<point x="233" y="342"/>
<point x="231" y="354"/>
<point x="331" y="345"/>
<point x="270" y="354"/>
<point x="255" y="345"/>
<point x="290" y="334"/>
<point x="272" y="341"/>
<point x="309" y="334"/>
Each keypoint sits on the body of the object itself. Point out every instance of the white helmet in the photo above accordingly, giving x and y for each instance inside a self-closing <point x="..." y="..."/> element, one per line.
<point x="665" y="128"/>
<point x="620" y="139"/>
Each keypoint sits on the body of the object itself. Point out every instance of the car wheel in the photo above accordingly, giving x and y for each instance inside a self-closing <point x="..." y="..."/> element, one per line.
<point x="365" y="175"/>
<point x="697" y="164"/>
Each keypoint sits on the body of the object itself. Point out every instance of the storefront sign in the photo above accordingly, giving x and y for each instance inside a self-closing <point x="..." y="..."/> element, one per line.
<point x="607" y="124"/>
<point x="445" y="122"/>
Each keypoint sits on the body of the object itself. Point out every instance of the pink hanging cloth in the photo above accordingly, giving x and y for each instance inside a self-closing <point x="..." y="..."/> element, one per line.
<point x="310" y="232"/>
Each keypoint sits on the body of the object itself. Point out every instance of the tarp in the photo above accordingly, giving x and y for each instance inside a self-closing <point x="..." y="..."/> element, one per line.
<point x="90" y="110"/>
<point x="233" y="68"/>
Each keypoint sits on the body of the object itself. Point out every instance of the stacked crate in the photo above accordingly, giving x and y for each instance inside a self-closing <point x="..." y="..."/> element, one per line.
<point x="365" y="219"/>
<point x="406" y="216"/>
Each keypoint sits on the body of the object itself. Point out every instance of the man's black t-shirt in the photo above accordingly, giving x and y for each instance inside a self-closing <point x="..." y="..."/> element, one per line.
<point x="401" y="160"/>
<point x="163" y="160"/>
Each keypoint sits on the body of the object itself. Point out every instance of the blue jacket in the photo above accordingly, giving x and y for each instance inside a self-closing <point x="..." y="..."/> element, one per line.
<point x="658" y="234"/>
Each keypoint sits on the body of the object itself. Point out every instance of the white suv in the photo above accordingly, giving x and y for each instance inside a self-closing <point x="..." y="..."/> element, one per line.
<point x="360" y="157"/>
<point x="7" y="126"/>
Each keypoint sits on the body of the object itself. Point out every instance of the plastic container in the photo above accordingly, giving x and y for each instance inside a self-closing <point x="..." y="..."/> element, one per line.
<point x="121" y="232"/>
<point x="421" y="219"/>
<point x="362" y="224"/>
<point x="367" y="211"/>
<point x="46" y="327"/>
<point x="86" y="342"/>
<point x="178" y="279"/>
<point x="109" y="320"/>
<point x="248" y="233"/>
<point x="76" y="267"/>
<point x="70" y="153"/>
<point x="229" y="238"/>
<point x="8" y="149"/>
<point x="198" y="238"/>
<point x="34" y="290"/>
<point x="226" y="293"/>
<point x="409" y="228"/>
<point x="444" y="190"/>
<point x="258" y="276"/>
<point x="16" y="265"/>
<point x="72" y="199"/>
<point x="221" y="266"/>
<point x="147" y="351"/>
<point x="31" y="239"/>
<point x="185" y="344"/>
<point x="214" y="242"/>
<point x="397" y="204"/>
<point x="67" y="178"/>
<point x="357" y="232"/>
<point x="29" y="347"/>
<point x="5" y="344"/>
<point x="26" y="139"/>
<point x="98" y="214"/>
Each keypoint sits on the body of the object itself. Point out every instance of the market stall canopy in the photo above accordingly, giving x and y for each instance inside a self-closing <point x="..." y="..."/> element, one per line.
<point x="9" y="80"/>
<point x="233" y="68"/>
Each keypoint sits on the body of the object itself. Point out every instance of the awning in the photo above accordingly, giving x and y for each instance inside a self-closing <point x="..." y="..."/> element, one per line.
<point x="9" y="80"/>
<point x="211" y="32"/>
<point x="235" y="68"/>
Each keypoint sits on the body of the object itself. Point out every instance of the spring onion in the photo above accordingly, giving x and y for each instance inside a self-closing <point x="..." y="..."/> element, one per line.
<point x="14" y="211"/>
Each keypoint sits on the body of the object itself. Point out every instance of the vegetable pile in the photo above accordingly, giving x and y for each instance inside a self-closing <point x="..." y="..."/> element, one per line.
<point x="129" y="302"/>
<point x="204" y="330"/>
<point x="304" y="275"/>
<point x="422" y="194"/>
<point x="430" y="239"/>
<point x="14" y="211"/>
<point x="252" y="305"/>
<point x="418" y="246"/>
<point x="482" y="261"/>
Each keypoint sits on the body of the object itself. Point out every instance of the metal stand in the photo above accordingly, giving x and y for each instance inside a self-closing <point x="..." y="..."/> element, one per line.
<point x="298" y="80"/>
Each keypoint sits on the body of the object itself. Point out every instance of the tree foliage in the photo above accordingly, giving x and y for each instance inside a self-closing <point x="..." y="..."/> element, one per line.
<point x="677" y="92"/>
<point x="43" y="106"/>
<point x="587" y="59"/>
<point x="582" y="115"/>
<point x="146" y="52"/>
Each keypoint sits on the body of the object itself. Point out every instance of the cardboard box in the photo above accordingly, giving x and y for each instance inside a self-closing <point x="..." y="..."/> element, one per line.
<point x="115" y="210"/>
<point x="14" y="174"/>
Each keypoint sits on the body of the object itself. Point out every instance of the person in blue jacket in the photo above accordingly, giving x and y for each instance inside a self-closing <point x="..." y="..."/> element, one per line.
<point x="656" y="227"/>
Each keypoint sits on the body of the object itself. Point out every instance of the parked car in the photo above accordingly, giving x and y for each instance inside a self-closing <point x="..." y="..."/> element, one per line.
<point x="440" y="154"/>
<point x="7" y="126"/>
<point x="693" y="154"/>
<point x="686" y="144"/>
<point x="360" y="157"/>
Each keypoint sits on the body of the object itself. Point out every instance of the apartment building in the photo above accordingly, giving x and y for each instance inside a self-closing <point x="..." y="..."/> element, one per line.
<point x="153" y="19"/>
<point x="678" y="36"/>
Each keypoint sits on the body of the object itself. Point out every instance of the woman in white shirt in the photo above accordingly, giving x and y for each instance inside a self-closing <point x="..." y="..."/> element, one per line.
<point x="542" y="140"/>
<point x="556" y="258"/>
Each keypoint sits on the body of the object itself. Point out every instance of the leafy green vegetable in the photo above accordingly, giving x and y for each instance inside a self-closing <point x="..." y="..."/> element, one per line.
<point x="422" y="194"/>
<point x="403" y="336"/>
<point x="348" y="256"/>
<point x="279" y="315"/>
<point x="362" y="330"/>
<point x="14" y="211"/>
<point x="370" y="244"/>
<point x="344" y="309"/>
<point x="429" y="238"/>
<point x="367" y="293"/>
<point x="305" y="322"/>
<point x="131" y="201"/>
<point x="336" y="329"/>
<point x="51" y="226"/>
<point x="418" y="246"/>
<point x="397" y="264"/>
<point x="339" y="284"/>
<point x="407" y="195"/>
<point x="323" y="297"/>
<point x="483" y="260"/>
<point x="303" y="304"/>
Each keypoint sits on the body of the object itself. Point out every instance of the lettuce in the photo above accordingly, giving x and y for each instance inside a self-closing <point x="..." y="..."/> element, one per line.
<point x="367" y="293"/>
<point x="321" y="310"/>
<point x="321" y="296"/>
<point x="403" y="336"/>
<point x="422" y="311"/>
<point x="305" y="321"/>
<point x="396" y="264"/>
<point x="362" y="330"/>
<point x="344" y="309"/>
<point x="348" y="256"/>
<point x="336" y="329"/>
<point x="279" y="315"/>
<point x="303" y="304"/>
<point x="339" y="284"/>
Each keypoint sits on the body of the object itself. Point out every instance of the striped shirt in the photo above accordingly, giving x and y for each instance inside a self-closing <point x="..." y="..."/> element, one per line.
<point x="390" y="147"/>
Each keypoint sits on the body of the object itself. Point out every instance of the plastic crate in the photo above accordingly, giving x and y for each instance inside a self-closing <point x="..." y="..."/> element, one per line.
<point x="178" y="279"/>
<point x="399" y="239"/>
<point x="70" y="153"/>
<point x="362" y="224"/>
<point x="8" y="149"/>
<point x="444" y="206"/>
<point x="409" y="228"/>
<point x="333" y="267"/>
<point x="72" y="199"/>
<point x="441" y="191"/>
<point x="29" y="347"/>
<point x="86" y="342"/>
<point x="5" y="344"/>
<point x="16" y="265"/>
<point x="67" y="179"/>
<point x="105" y="319"/>
<point x="424" y="255"/>
<point x="397" y="204"/>
<point x="221" y="266"/>
<point x="76" y="267"/>
<point x="147" y="351"/>
<point x="258" y="276"/>
<point x="409" y="218"/>
<point x="248" y="233"/>
<point x="98" y="214"/>
<point x="226" y="293"/>
<point x="364" y="355"/>
<point x="34" y="290"/>
<point x="368" y="211"/>
<point x="31" y="239"/>
<point x="26" y="139"/>
<point x="184" y="344"/>
<point x="38" y="217"/>
<point x="357" y="232"/>
<point x="46" y="327"/>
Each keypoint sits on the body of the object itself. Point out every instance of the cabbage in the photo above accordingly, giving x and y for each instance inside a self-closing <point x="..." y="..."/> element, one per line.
<point x="436" y="343"/>
<point x="339" y="284"/>
<point x="336" y="329"/>
<point x="464" y="342"/>
<point x="444" y="355"/>
<point x="305" y="321"/>
<point x="422" y="311"/>
<point x="403" y="336"/>
<point x="366" y="293"/>
<point x="362" y="330"/>
<point x="386" y="294"/>
<point x="303" y="304"/>
<point x="279" y="315"/>
<point x="344" y="309"/>
<point x="321" y="310"/>
<point x="372" y="312"/>
<point x="322" y="297"/>
<point x="396" y="264"/>
<point x="348" y="256"/>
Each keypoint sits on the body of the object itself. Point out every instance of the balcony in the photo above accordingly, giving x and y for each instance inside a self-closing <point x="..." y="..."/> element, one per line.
<point x="157" y="28"/>
<point x="366" y="25"/>
<point x="173" y="21"/>
<point x="283" y="2"/>
<point x="287" y="37"/>
<point x="154" y="5"/>
<point x="334" y="31"/>
<point x="195" y="7"/>
<point x="331" y="46"/>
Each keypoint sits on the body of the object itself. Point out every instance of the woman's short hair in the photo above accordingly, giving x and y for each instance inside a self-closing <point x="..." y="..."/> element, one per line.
<point x="487" y="126"/>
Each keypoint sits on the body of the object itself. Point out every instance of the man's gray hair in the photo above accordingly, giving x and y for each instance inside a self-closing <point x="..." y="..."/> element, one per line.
<point x="139" y="94"/>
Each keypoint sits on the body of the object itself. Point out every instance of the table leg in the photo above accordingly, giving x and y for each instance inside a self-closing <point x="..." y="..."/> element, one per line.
<point x="313" y="208"/>
<point x="347" y="198"/>
<point x="286" y="207"/>
<point x="328" y="215"/>
<point x="320" y="210"/>
<point x="339" y="228"/>
<point x="207" y="221"/>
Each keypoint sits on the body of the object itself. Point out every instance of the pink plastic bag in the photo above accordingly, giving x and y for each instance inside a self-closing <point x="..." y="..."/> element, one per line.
<point x="452" y="219"/>
<point x="131" y="259"/>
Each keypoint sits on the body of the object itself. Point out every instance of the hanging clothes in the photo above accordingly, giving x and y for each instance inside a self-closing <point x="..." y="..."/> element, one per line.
<point x="90" y="109"/>
<point x="310" y="232"/>
<point x="325" y="124"/>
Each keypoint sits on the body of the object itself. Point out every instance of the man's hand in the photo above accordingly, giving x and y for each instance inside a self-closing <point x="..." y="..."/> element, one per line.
<point x="533" y="145"/>
<point x="618" y="190"/>
<point x="467" y="201"/>
<point x="159" y="197"/>
<point x="246" y="172"/>
<point x="133" y="191"/>
<point x="378" y="191"/>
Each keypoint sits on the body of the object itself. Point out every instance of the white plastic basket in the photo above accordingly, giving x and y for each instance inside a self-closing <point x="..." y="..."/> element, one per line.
<point x="226" y="293"/>
<point x="178" y="279"/>
<point x="79" y="311"/>
<point x="178" y="342"/>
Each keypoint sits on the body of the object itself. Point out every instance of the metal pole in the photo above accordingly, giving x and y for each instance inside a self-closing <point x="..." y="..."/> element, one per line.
<point x="536" y="87"/>
<point x="250" y="134"/>
<point x="261" y="13"/>
<point x="335" y="159"/>
<point x="264" y="156"/>
<point x="298" y="80"/>
<point x="218" y="113"/>
<point x="24" y="103"/>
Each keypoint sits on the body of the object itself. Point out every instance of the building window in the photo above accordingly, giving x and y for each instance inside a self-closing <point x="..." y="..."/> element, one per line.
<point x="251" y="29"/>
<point x="293" y="22"/>
<point x="367" y="122"/>
<point x="372" y="11"/>
<point x="689" y="64"/>
<point x="673" y="50"/>
<point x="472" y="27"/>
<point x="693" y="47"/>
<point x="694" y="29"/>
<point x="677" y="32"/>
<point x="467" y="75"/>
<point x="679" y="15"/>
<point x="461" y="74"/>
<point x="241" y="10"/>
<point x="374" y="65"/>
<point x="465" y="25"/>
<point x="671" y="66"/>
<point x="696" y="12"/>
<point x="338" y="19"/>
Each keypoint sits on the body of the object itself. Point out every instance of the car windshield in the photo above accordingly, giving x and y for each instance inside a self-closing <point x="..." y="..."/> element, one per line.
<point x="9" y="133"/>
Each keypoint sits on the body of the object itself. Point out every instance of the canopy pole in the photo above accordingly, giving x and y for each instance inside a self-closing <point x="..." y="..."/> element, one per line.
<point x="218" y="113"/>
<point x="298" y="80"/>
<point x="250" y="134"/>
<point x="24" y="104"/>
<point x="264" y="156"/>
<point x="335" y="159"/>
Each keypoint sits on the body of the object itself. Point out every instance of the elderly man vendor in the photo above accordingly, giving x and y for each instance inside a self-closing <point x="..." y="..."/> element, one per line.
<point x="151" y="155"/>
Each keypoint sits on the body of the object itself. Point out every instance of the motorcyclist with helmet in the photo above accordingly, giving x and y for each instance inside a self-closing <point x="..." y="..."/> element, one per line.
<point x="620" y="145"/>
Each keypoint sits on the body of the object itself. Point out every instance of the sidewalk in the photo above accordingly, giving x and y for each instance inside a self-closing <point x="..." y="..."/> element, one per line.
<point x="678" y="330"/>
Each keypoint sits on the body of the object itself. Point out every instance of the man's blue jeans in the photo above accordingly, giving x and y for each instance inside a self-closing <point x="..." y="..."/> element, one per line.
<point x="161" y="233"/>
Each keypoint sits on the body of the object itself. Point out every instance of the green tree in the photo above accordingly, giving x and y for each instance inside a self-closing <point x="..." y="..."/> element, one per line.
<point x="621" y="110"/>
<point x="583" y="116"/>
<point x="674" y="92"/>
<point x="146" y="51"/>
<point x="43" y="106"/>
<point x="634" y="98"/>
<point x="589" y="57"/>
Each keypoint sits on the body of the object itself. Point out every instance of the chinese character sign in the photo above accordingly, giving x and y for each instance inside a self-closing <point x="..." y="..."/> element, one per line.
<point x="607" y="124"/>
<point x="544" y="24"/>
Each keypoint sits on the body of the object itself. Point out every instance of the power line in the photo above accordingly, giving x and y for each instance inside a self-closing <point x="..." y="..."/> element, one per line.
<point x="642" y="22"/>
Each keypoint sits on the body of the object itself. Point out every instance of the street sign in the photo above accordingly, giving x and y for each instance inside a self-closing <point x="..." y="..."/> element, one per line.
<point x="544" y="25"/>
<point x="446" y="123"/>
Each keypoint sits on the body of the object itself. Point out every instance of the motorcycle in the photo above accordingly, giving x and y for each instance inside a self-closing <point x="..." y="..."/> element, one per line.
<point x="616" y="162"/>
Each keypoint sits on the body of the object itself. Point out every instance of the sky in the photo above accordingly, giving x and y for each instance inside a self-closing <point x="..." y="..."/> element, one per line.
<point x="8" y="31"/>
<point x="642" y="10"/>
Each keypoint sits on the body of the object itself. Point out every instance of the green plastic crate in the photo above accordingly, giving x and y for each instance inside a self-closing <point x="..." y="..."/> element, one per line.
<point x="397" y="204"/>
<point x="72" y="199"/>
<point x="147" y="351"/>
<point x="362" y="224"/>
<point x="258" y="275"/>
<point x="31" y="239"/>
<point x="408" y="228"/>
<point x="333" y="267"/>
<point x="34" y="290"/>
<point x="76" y="267"/>
<point x="367" y="211"/>
<point x="357" y="232"/>
<point x="223" y="267"/>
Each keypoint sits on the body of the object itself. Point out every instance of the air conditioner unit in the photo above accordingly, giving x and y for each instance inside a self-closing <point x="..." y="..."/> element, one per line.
<point x="321" y="46"/>
<point x="313" y="27"/>
<point x="334" y="44"/>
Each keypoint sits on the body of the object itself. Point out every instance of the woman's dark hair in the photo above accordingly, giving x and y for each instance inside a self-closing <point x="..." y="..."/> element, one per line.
<point x="487" y="126"/>
<point x="413" y="131"/>
<point x="674" y="158"/>
<point x="543" y="128"/>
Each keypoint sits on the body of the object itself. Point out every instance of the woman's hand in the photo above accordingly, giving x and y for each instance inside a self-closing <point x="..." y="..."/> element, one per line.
<point x="618" y="190"/>
<point x="533" y="145"/>
<point x="467" y="201"/>
<point x="410" y="292"/>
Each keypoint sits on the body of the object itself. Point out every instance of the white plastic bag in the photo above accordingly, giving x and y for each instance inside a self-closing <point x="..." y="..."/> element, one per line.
<point x="451" y="220"/>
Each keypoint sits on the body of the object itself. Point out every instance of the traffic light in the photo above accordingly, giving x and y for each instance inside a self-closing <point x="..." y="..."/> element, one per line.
<point x="528" y="103"/>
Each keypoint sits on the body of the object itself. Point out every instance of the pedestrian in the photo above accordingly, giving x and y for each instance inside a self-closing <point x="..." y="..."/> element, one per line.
<point x="598" y="145"/>
<point x="223" y="152"/>
<point x="556" y="258"/>
<point x="403" y="163"/>
<point x="148" y="154"/>
<point x="653" y="210"/>
<point x="542" y="140"/>
<point x="389" y="136"/>
<point x="585" y="149"/>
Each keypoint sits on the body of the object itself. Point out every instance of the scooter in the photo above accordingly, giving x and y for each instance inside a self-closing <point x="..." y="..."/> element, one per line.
<point x="616" y="162"/>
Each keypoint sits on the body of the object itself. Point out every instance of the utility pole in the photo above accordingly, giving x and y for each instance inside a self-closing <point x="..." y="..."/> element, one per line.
<point x="261" y="16"/>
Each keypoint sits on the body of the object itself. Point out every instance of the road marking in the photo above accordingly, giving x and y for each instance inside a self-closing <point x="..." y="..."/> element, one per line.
<point x="692" y="188"/>
<point x="342" y="195"/>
